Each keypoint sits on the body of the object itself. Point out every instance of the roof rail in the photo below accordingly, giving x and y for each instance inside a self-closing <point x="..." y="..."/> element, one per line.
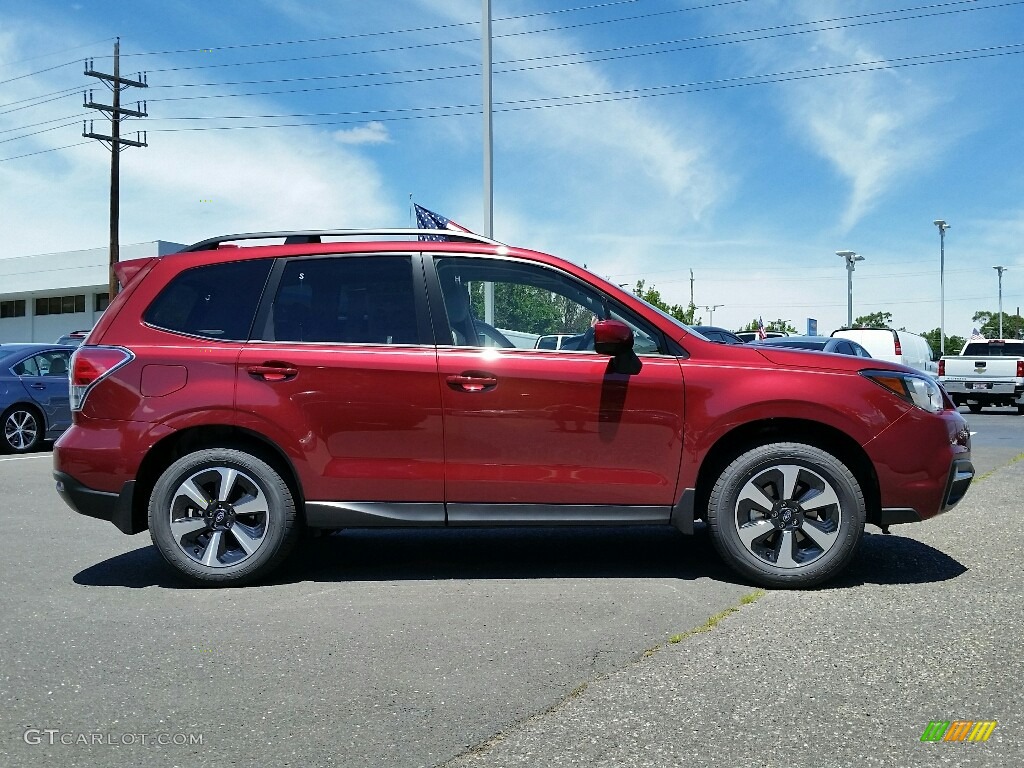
<point x="314" y="236"/>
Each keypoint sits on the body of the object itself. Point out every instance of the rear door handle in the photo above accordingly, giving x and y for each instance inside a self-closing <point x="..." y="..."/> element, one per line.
<point x="273" y="372"/>
<point x="38" y="386"/>
<point x="472" y="382"/>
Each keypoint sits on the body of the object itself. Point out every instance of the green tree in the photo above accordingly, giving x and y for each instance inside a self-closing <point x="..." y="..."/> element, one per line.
<point x="875" y="320"/>
<point x="953" y="343"/>
<point x="653" y="297"/>
<point x="783" y="326"/>
<point x="988" y="324"/>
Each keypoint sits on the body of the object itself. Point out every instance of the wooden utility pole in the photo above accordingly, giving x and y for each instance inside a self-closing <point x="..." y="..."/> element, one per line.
<point x="115" y="144"/>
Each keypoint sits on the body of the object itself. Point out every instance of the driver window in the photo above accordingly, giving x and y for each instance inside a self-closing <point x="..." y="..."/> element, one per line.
<point x="534" y="307"/>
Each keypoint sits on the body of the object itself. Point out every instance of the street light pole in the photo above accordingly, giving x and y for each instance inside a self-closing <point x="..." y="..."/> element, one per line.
<point x="851" y="259"/>
<point x="1000" y="270"/>
<point x="711" y="311"/>
<point x="943" y="226"/>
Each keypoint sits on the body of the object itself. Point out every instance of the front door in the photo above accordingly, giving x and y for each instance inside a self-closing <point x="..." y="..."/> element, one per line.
<point x="545" y="434"/>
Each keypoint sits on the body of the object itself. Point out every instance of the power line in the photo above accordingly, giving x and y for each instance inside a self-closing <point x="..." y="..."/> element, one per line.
<point x="620" y="95"/>
<point x="432" y="28"/>
<point x="474" y="67"/>
<point x="556" y="56"/>
<point x="44" y="151"/>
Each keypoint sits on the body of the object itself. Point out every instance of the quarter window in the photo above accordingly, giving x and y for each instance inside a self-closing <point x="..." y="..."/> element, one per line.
<point x="216" y="301"/>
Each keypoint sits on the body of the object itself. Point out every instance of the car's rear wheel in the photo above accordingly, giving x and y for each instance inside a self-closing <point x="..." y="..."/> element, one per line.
<point x="222" y="517"/>
<point x="786" y="515"/>
<point x="23" y="429"/>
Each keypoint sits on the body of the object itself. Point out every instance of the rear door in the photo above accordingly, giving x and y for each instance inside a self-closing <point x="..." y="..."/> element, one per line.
<point x="339" y="375"/>
<point x="45" y="379"/>
<point x="543" y="435"/>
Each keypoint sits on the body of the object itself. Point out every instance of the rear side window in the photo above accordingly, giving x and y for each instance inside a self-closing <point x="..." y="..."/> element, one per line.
<point x="217" y="301"/>
<point x="346" y="299"/>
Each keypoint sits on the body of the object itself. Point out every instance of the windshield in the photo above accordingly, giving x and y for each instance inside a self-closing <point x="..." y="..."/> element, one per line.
<point x="995" y="349"/>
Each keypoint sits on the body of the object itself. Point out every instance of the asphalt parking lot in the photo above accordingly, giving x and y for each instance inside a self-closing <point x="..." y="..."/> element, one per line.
<point x="512" y="648"/>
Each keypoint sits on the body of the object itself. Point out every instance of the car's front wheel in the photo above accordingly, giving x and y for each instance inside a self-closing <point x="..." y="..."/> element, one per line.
<point x="786" y="515"/>
<point x="222" y="517"/>
<point x="23" y="429"/>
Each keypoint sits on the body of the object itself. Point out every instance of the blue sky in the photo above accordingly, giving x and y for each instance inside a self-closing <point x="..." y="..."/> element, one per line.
<point x="745" y="140"/>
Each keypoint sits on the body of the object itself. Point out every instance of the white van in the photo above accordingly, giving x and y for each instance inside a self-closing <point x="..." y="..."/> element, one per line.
<point x="895" y="346"/>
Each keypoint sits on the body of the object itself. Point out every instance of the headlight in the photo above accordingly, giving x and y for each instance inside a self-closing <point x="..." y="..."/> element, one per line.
<point x="922" y="391"/>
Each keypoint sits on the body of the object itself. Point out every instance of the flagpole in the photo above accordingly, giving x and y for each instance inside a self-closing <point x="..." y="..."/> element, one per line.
<point x="485" y="36"/>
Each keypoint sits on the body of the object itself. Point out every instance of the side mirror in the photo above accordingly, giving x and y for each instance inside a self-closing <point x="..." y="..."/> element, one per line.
<point x="615" y="338"/>
<point x="612" y="337"/>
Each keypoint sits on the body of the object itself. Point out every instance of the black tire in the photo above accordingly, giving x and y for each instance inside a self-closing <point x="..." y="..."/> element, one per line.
<point x="234" y="518"/>
<point x="975" y="407"/>
<point x="1020" y="410"/>
<point x="786" y="515"/>
<point x="23" y="429"/>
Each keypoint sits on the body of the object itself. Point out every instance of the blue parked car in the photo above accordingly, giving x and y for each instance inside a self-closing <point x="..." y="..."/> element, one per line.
<point x="34" y="401"/>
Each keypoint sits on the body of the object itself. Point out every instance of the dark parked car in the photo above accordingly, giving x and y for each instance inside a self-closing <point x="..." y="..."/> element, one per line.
<point x="232" y="396"/>
<point x="714" y="333"/>
<point x="34" y="403"/>
<point x="834" y="344"/>
<point x="73" y="338"/>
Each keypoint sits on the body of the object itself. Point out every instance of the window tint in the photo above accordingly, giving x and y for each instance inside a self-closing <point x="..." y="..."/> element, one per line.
<point x="217" y="301"/>
<point x="995" y="349"/>
<point x="354" y="299"/>
<point x="534" y="307"/>
<point x="27" y="367"/>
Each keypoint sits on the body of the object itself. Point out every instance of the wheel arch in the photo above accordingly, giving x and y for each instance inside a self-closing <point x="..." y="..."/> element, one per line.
<point x="754" y="434"/>
<point x="187" y="441"/>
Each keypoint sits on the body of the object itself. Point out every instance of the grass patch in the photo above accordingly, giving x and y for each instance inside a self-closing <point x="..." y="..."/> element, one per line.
<point x="991" y="472"/>
<point x="715" y="620"/>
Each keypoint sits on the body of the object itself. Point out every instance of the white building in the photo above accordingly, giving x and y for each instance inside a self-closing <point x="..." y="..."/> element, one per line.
<point x="43" y="297"/>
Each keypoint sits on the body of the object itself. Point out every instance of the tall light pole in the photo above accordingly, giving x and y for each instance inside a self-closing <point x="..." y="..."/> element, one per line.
<point x="943" y="226"/>
<point x="1000" y="270"/>
<point x="711" y="311"/>
<point x="851" y="260"/>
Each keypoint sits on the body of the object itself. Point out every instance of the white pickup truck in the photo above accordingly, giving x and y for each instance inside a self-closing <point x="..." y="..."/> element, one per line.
<point x="986" y="372"/>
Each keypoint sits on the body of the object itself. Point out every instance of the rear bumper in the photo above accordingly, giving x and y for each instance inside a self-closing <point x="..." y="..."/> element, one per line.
<point x="115" y="508"/>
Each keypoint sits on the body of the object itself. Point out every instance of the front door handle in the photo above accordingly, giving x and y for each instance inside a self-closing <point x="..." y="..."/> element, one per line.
<point x="273" y="371"/>
<point x="472" y="382"/>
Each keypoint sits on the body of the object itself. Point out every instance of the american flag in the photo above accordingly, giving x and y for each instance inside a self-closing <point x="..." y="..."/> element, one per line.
<point x="976" y="335"/>
<point x="760" y="329"/>
<point x="429" y="220"/>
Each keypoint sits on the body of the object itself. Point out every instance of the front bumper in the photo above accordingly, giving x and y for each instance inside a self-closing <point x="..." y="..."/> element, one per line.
<point x="960" y="476"/>
<point x="115" y="508"/>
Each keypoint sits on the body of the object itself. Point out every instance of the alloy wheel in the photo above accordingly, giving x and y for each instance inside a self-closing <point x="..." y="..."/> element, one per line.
<point x="219" y="517"/>
<point x="788" y="516"/>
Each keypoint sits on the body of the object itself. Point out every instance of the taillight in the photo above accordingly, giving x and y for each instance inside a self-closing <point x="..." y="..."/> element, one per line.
<point x="899" y="348"/>
<point x="942" y="367"/>
<point x="90" y="365"/>
<point x="1020" y="369"/>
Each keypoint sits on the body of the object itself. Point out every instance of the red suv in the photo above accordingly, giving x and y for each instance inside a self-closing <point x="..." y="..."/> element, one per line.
<point x="232" y="396"/>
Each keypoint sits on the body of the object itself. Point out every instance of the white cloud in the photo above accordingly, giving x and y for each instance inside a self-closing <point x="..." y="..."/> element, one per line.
<point x="371" y="133"/>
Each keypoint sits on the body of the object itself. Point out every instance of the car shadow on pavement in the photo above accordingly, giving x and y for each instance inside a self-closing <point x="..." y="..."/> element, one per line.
<point x="471" y="553"/>
<point x="895" y="559"/>
<point x="528" y="553"/>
